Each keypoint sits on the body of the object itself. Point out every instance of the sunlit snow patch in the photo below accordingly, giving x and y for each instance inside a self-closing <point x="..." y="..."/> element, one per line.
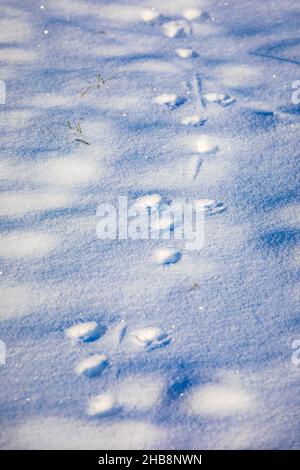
<point x="140" y="392"/>
<point x="218" y="400"/>
<point x="92" y="365"/>
<point x="67" y="171"/>
<point x="175" y="29"/>
<point x="88" y="331"/>
<point x="19" y="203"/>
<point x="27" y="244"/>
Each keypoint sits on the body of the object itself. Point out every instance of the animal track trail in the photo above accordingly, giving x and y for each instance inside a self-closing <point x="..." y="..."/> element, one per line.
<point x="151" y="338"/>
<point x="91" y="367"/>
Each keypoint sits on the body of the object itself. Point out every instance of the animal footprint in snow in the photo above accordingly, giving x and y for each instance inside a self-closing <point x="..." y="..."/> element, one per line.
<point x="210" y="206"/>
<point x="148" y="15"/>
<point x="185" y="53"/>
<point x="167" y="256"/>
<point x="193" y="120"/>
<point x="219" y="98"/>
<point x="195" y="14"/>
<point x="102" y="405"/>
<point x="92" y="365"/>
<point x="206" y="145"/>
<point x="151" y="338"/>
<point x="88" y="331"/>
<point x="175" y="29"/>
<point x="169" y="99"/>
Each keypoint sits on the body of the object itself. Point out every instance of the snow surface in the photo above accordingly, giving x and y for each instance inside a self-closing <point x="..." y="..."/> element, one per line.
<point x="198" y="353"/>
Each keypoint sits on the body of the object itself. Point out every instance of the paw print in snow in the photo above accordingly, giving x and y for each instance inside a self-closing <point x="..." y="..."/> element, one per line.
<point x="129" y="394"/>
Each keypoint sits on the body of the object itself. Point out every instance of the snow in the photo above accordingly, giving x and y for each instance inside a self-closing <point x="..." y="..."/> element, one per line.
<point x="206" y="145"/>
<point x="88" y="331"/>
<point x="219" y="401"/>
<point x="92" y="365"/>
<point x="26" y="244"/>
<point x="194" y="13"/>
<point x="149" y="201"/>
<point x="102" y="405"/>
<point x="151" y="338"/>
<point x="210" y="206"/>
<point x="141" y="392"/>
<point x="219" y="98"/>
<point x="185" y="53"/>
<point x="54" y="433"/>
<point x="126" y="344"/>
<point x="176" y="29"/>
<point x="193" y="120"/>
<point x="166" y="255"/>
<point x="169" y="99"/>
<point x="149" y="15"/>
